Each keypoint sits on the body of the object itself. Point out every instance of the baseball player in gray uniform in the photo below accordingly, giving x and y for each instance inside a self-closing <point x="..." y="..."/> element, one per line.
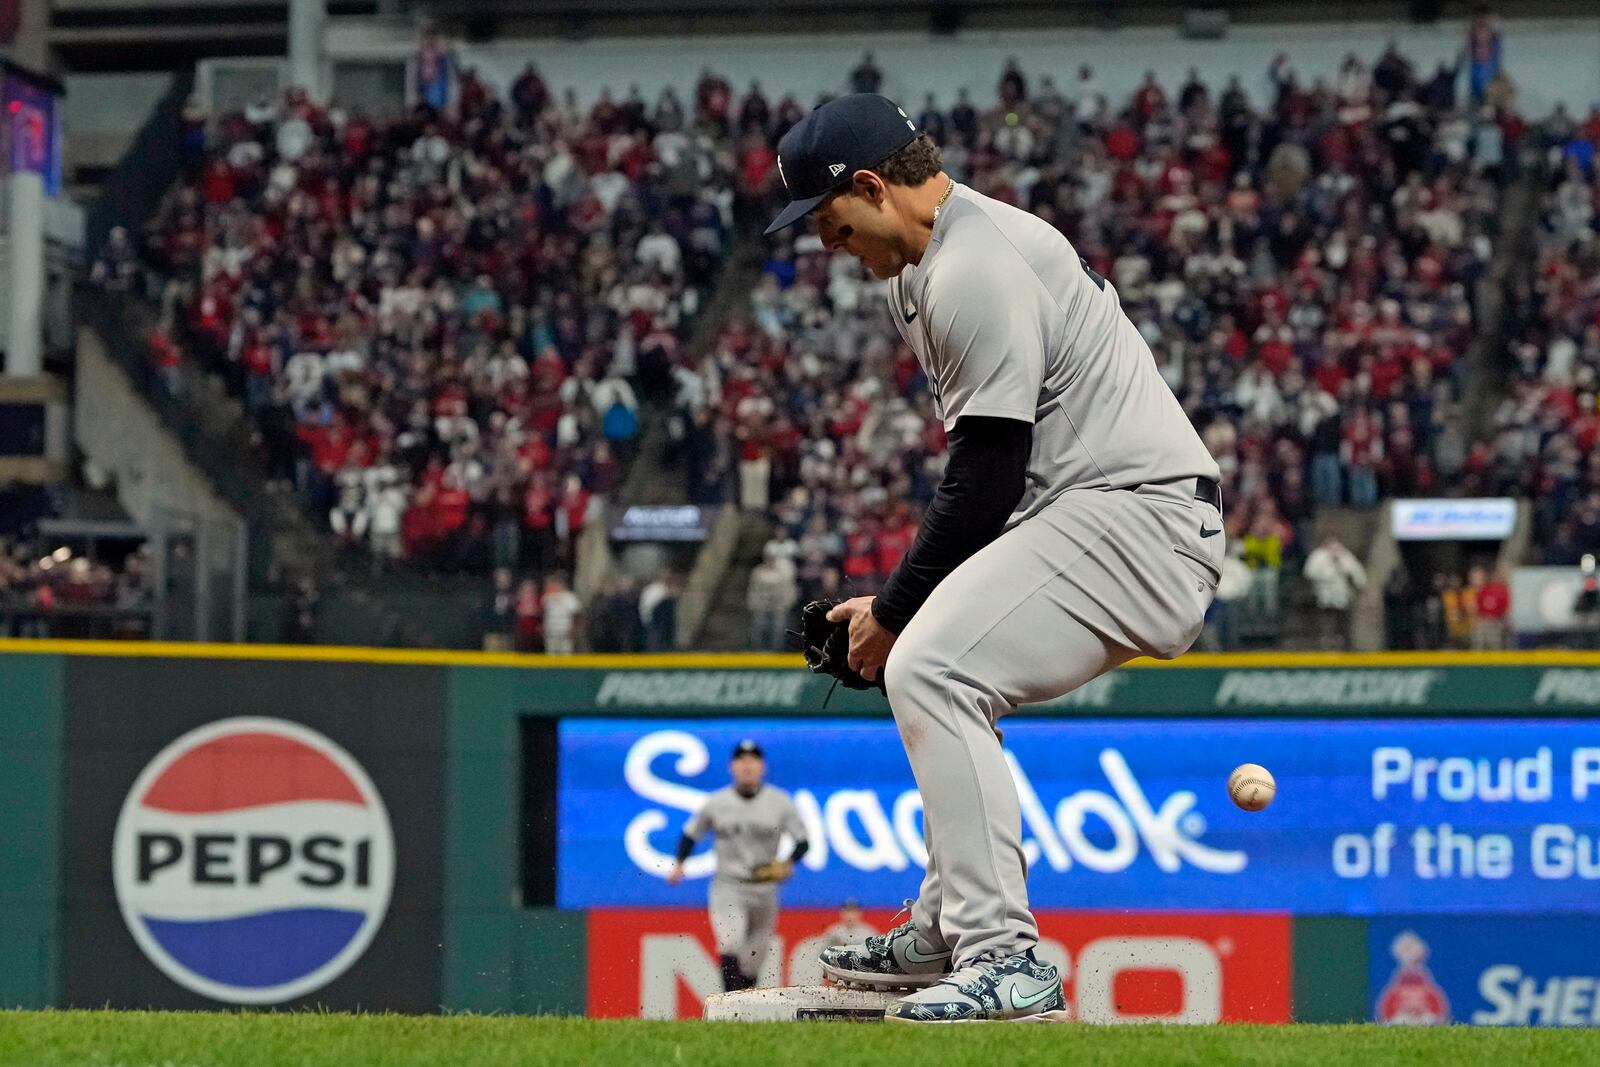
<point x="749" y="819"/>
<point x="1077" y="526"/>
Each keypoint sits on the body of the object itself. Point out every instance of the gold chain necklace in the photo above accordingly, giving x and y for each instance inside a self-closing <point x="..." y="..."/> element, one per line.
<point x="947" y="191"/>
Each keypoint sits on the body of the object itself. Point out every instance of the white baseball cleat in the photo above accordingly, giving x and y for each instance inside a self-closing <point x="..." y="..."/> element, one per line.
<point x="899" y="959"/>
<point x="1007" y="987"/>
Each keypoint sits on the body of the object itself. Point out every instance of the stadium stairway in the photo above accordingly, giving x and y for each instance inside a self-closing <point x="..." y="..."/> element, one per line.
<point x="1499" y="292"/>
<point x="1362" y="531"/>
<point x="355" y="606"/>
<point x="714" y="587"/>
<point x="727" y="621"/>
<point x="653" y="478"/>
<point x="1511" y="270"/>
<point x="212" y="429"/>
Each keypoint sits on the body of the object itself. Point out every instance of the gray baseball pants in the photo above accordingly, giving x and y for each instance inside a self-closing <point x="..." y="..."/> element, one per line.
<point x="1095" y="579"/>
<point x="744" y="916"/>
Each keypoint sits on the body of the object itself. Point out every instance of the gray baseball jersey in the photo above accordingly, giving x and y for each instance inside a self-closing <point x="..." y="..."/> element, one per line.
<point x="747" y="829"/>
<point x="1008" y="321"/>
<point x="1110" y="554"/>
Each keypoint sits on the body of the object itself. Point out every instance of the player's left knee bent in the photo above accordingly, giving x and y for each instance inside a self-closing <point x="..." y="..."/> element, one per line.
<point x="921" y="680"/>
<point x="898" y="672"/>
<point x="913" y="671"/>
<point x="912" y="681"/>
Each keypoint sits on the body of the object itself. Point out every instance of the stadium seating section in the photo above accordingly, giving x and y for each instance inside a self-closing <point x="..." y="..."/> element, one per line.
<point x="439" y="321"/>
<point x="1303" y="273"/>
<point x="444" y="324"/>
<point x="1546" y="445"/>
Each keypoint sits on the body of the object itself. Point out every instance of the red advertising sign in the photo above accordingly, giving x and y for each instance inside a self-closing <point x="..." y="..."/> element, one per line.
<point x="1117" y="967"/>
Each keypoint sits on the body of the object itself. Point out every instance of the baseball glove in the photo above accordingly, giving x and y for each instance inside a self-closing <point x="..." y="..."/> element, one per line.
<point x="827" y="646"/>
<point x="776" y="871"/>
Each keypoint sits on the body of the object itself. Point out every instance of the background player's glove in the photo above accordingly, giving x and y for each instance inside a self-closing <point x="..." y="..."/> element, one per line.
<point x="776" y="871"/>
<point x="827" y="646"/>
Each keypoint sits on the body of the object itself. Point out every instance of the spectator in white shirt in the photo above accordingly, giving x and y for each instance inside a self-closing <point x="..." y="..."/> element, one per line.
<point x="562" y="611"/>
<point x="304" y="373"/>
<point x="349" y="519"/>
<point x="344" y="360"/>
<point x="1335" y="576"/>
<point x="658" y="250"/>
<point x="781" y="547"/>
<point x="771" y="598"/>
<point x="657" y="612"/>
<point x="294" y="138"/>
<point x="385" y="509"/>
<point x="612" y="390"/>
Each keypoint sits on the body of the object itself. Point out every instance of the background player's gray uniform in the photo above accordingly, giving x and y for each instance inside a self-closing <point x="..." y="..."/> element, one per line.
<point x="1108" y="555"/>
<point x="747" y="834"/>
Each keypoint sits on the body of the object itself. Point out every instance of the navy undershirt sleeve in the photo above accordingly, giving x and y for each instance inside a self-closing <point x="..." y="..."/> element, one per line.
<point x="983" y="481"/>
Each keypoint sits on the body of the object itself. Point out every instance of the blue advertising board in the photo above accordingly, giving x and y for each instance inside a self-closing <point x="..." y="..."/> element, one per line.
<point x="1397" y="817"/>
<point x="1485" y="970"/>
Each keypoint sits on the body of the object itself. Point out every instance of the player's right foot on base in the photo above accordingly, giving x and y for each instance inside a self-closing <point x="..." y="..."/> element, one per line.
<point x="899" y="959"/>
<point x="1006" y="987"/>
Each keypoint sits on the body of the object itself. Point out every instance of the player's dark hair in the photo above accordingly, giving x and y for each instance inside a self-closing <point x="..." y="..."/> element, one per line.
<point x="913" y="164"/>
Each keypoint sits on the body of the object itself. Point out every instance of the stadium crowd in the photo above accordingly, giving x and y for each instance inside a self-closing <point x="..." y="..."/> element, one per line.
<point x="1303" y="272"/>
<point x="444" y="323"/>
<point x="57" y="593"/>
<point x="441" y="322"/>
<point x="1546" y="444"/>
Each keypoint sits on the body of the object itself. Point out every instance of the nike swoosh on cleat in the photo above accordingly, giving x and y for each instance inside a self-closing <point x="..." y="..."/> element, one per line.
<point x="1209" y="533"/>
<point x="1019" y="1003"/>
<point x="916" y="955"/>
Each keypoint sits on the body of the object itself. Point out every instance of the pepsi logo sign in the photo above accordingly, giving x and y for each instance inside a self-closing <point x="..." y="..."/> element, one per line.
<point x="253" y="860"/>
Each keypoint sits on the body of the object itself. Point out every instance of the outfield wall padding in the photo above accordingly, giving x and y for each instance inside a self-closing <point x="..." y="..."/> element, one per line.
<point x="438" y="734"/>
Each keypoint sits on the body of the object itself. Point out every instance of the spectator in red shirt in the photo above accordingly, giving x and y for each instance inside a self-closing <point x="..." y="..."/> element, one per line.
<point x="860" y="557"/>
<point x="1149" y="97"/>
<point x="1276" y="352"/>
<point x="1494" y="604"/>
<point x="757" y="165"/>
<point x="1330" y="374"/>
<point x="712" y="98"/>
<point x="1361" y="451"/>
<point x="894" y="541"/>
<point x="572" y="514"/>
<point x="450" y="504"/>
<point x="530" y="617"/>
<point x="167" y="360"/>
<point x="1122" y="144"/>
<point x="539" y="521"/>
<point x="218" y="184"/>
<point x="755" y="468"/>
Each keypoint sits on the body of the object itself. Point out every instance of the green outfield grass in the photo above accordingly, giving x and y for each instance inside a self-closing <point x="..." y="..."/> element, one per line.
<point x="135" y="1039"/>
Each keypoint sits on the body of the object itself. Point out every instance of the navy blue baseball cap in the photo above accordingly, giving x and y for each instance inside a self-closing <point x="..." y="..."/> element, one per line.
<point x="820" y="154"/>
<point x="748" y="747"/>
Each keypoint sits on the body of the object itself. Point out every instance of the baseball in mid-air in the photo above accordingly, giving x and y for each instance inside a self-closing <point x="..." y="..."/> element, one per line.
<point x="1252" y="786"/>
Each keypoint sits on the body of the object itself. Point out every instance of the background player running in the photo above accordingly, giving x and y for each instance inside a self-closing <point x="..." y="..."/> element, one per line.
<point x="748" y="819"/>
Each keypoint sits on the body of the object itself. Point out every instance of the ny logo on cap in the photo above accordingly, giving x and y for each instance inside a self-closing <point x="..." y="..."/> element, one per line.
<point x="835" y="169"/>
<point x="781" y="175"/>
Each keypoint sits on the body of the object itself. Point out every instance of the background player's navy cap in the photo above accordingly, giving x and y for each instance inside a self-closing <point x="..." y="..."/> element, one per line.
<point x="822" y="151"/>
<point x="748" y="748"/>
